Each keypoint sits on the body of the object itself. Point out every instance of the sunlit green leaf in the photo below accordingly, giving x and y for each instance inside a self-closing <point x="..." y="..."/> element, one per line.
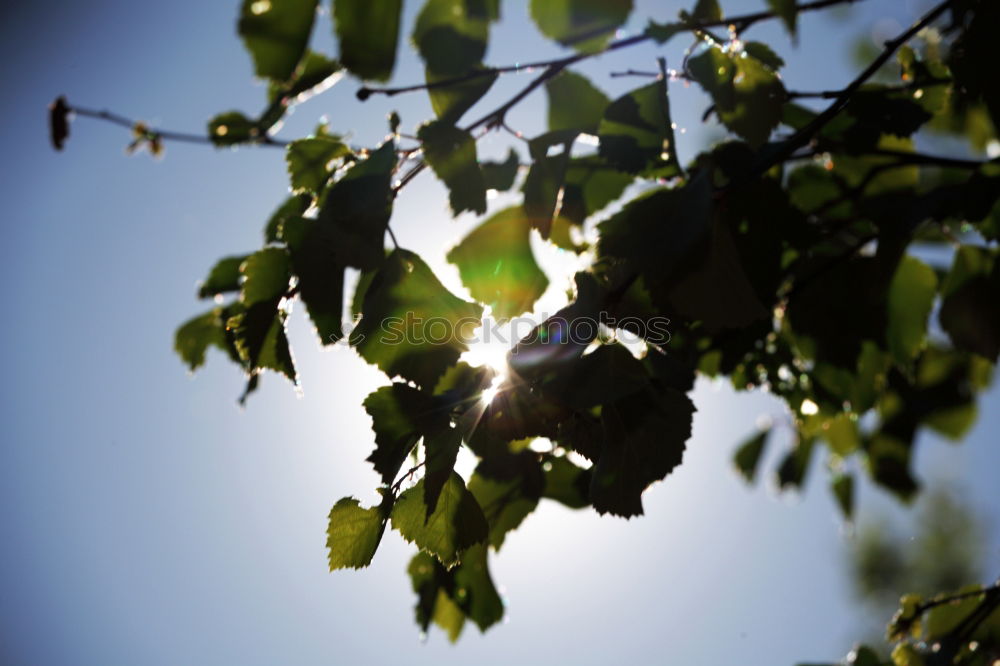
<point x="574" y="102"/>
<point x="451" y="153"/>
<point x="224" y="277"/>
<point x="354" y="533"/>
<point x="500" y="175"/>
<point x="585" y="25"/>
<point x="497" y="265"/>
<point x="276" y="33"/>
<point x="266" y="274"/>
<point x="309" y="162"/>
<point x="911" y="295"/>
<point x="637" y="133"/>
<point x="230" y="128"/>
<point x="196" y="335"/>
<point x="456" y="524"/>
<point x="368" y="33"/>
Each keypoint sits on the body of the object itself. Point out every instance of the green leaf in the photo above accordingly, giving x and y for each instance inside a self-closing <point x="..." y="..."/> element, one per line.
<point x="451" y="101"/>
<point x="224" y="277"/>
<point x="644" y="439"/>
<point x="764" y="54"/>
<point x="395" y="411"/>
<point x="313" y="74"/>
<point x="747" y="456"/>
<point x="504" y="502"/>
<point x="231" y="128"/>
<point x="969" y="311"/>
<point x="637" y="135"/>
<point x="258" y="334"/>
<point x="706" y="11"/>
<point x="293" y="206"/>
<point x="787" y="11"/>
<point x="395" y="332"/>
<point x="441" y="446"/>
<point x="661" y="33"/>
<point x="795" y="465"/>
<point x="456" y="524"/>
<point x="368" y="33"/>
<point x="566" y="483"/>
<point x="451" y="35"/>
<point x="448" y="597"/>
<point x="317" y="263"/>
<point x="911" y="296"/>
<point x="590" y="185"/>
<point x="196" y="335"/>
<point x="497" y="265"/>
<point x="276" y="32"/>
<point x="843" y="491"/>
<point x="574" y="103"/>
<point x="309" y="162"/>
<point x="354" y="533"/>
<point x="748" y="95"/>
<point x="358" y="206"/>
<point x="586" y="25"/>
<point x="266" y="275"/>
<point x="451" y="152"/>
<point x="500" y="176"/>
<point x="541" y="190"/>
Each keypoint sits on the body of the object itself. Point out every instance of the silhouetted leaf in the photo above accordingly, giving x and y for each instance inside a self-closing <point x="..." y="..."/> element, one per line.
<point x="541" y="190"/>
<point x="504" y="503"/>
<point x="224" y="277"/>
<point x="316" y="262"/>
<point x="843" y="491"/>
<point x="266" y="274"/>
<point x="585" y="25"/>
<point x="309" y="162"/>
<point x="358" y="207"/>
<point x="368" y="33"/>
<point x="59" y="122"/>
<point x="590" y="185"/>
<point x="747" y="456"/>
<point x="196" y="335"/>
<point x="574" y="103"/>
<point x="411" y="325"/>
<point x="969" y="311"/>
<point x="456" y="524"/>
<point x="258" y="334"/>
<point x="313" y="74"/>
<point x="497" y="265"/>
<point x="230" y="128"/>
<point x="293" y="206"/>
<point x="787" y="11"/>
<point x="451" y="152"/>
<point x="276" y="33"/>
<point x="637" y="133"/>
<point x="706" y="11"/>
<point x="354" y="533"/>
<point x="566" y="483"/>
<point x="500" y="175"/>
<point x="396" y="411"/>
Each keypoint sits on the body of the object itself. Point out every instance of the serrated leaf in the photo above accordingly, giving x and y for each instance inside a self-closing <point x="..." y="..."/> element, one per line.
<point x="636" y="133"/>
<point x="224" y="277"/>
<point x="368" y="33"/>
<point x="293" y="206"/>
<point x="353" y="533"/>
<point x="396" y="411"/>
<point x="358" y="207"/>
<point x="586" y="25"/>
<point x="394" y="332"/>
<point x="266" y="274"/>
<point x="497" y="265"/>
<point x="258" y="334"/>
<point x="456" y="524"/>
<point x="231" y="128"/>
<point x="500" y="176"/>
<point x="451" y="35"/>
<point x="747" y="456"/>
<point x="911" y="296"/>
<point x="566" y="483"/>
<point x="451" y="153"/>
<point x="574" y="103"/>
<point x="317" y="263"/>
<point x="276" y="32"/>
<point x="309" y="162"/>
<point x="195" y="336"/>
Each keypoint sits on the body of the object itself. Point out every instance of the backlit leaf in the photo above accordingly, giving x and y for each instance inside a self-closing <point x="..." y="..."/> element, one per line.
<point x="574" y="102"/>
<point x="354" y="533"/>
<point x="911" y="295"/>
<point x="368" y="33"/>
<point x="637" y="135"/>
<point x="276" y="33"/>
<point x="451" y="153"/>
<point x="309" y="161"/>
<point x="456" y="524"/>
<point x="585" y="25"/>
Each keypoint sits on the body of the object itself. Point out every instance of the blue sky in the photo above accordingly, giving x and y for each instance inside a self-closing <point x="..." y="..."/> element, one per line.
<point x="147" y="520"/>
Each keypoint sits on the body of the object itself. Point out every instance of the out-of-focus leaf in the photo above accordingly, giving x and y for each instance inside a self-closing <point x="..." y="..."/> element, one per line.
<point x="787" y="11"/>
<point x="224" y="277"/>
<point x="396" y="411"/>
<point x="317" y="264"/>
<point x="266" y="274"/>
<point x="456" y="524"/>
<point x="911" y="296"/>
<point x="969" y="311"/>
<point x="541" y="190"/>
<point x="843" y="491"/>
<point x="451" y="35"/>
<point x="59" y="122"/>
<point x="232" y="127"/>
<point x="395" y="332"/>
<point x="276" y="32"/>
<point x="258" y="334"/>
<point x="368" y="33"/>
<point x="196" y="335"/>
<point x="590" y="185"/>
<point x="637" y="135"/>
<point x="451" y="152"/>
<point x="585" y="25"/>
<point x="504" y="502"/>
<point x="574" y="103"/>
<point x="500" y="175"/>
<point x="293" y="206"/>
<point x="451" y="101"/>
<point x="497" y="265"/>
<point x="706" y="11"/>
<point x="747" y="456"/>
<point x="566" y="483"/>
